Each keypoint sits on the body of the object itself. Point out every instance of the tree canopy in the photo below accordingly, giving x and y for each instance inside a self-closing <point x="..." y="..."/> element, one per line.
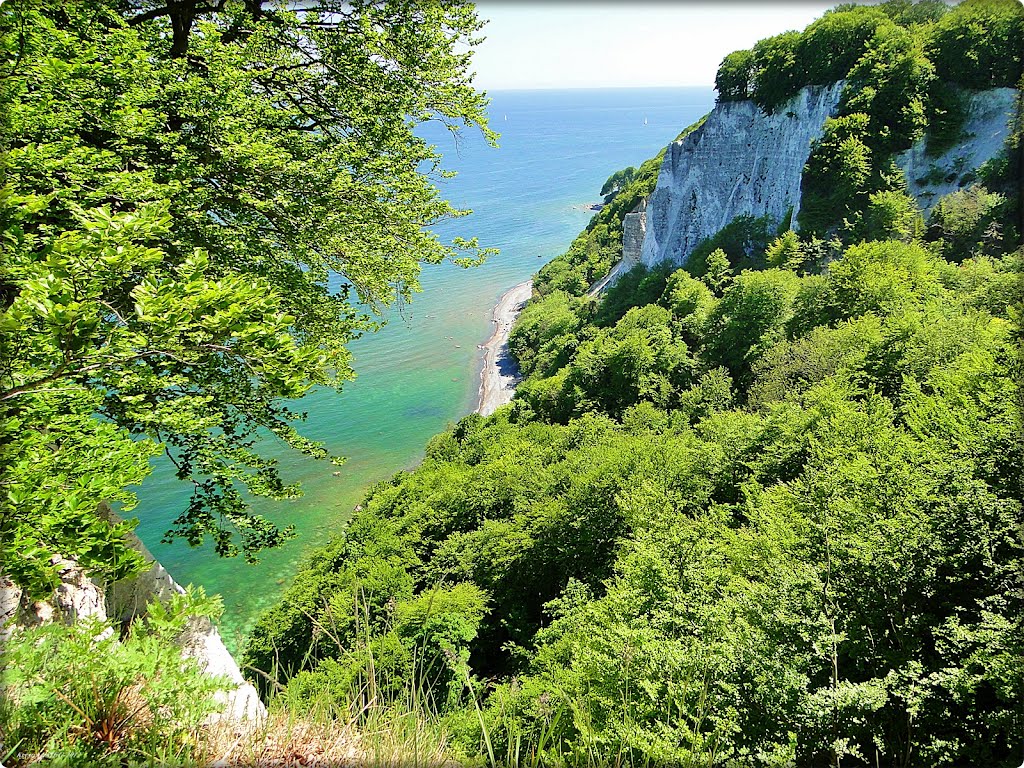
<point x="202" y="204"/>
<point x="773" y="523"/>
<point x="975" y="44"/>
<point x="617" y="182"/>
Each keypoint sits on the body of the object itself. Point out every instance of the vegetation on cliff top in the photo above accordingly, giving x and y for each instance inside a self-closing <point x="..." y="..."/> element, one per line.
<point x="975" y="44"/>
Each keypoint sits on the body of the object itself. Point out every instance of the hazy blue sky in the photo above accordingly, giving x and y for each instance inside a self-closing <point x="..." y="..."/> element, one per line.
<point x="583" y="44"/>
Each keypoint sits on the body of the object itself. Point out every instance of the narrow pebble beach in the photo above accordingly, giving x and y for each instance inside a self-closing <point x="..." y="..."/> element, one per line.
<point x="500" y="374"/>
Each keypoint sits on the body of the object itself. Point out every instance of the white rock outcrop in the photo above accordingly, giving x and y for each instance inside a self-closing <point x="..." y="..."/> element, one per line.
<point x="634" y="229"/>
<point x="989" y="121"/>
<point x="201" y="640"/>
<point x="80" y="597"/>
<point x="77" y="597"/>
<point x="241" y="702"/>
<point x="740" y="162"/>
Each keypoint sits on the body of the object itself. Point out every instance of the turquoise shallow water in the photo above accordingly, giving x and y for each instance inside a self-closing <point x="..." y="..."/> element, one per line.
<point x="421" y="372"/>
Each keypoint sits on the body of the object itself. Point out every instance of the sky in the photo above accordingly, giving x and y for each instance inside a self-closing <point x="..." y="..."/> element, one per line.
<point x="625" y="44"/>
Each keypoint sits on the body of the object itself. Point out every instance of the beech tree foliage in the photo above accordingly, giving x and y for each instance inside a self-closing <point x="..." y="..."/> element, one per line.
<point x="975" y="44"/>
<point x="203" y="203"/>
<point x="776" y="524"/>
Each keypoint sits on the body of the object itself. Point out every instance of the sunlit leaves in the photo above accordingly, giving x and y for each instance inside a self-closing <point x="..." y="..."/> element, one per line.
<point x="191" y="240"/>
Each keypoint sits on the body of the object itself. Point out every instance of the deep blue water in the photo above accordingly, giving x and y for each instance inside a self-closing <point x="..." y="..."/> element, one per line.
<point x="421" y="372"/>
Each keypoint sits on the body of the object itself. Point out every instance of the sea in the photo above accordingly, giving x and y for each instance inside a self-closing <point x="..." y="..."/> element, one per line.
<point x="420" y="374"/>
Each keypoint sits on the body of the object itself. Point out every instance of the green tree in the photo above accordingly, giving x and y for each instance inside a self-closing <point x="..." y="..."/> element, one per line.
<point x="777" y="71"/>
<point x="889" y="215"/>
<point x="637" y="360"/>
<point x="908" y="13"/>
<point x="734" y="79"/>
<point x="206" y="204"/>
<point x="785" y="252"/>
<point x="543" y="336"/>
<point x="617" y="182"/>
<point x="891" y="84"/>
<point x="99" y="323"/>
<point x="749" y="316"/>
<point x="690" y="301"/>
<point x="977" y="44"/>
<point x="830" y="46"/>
<point x="882" y="278"/>
<point x="638" y="287"/>
<point x="835" y="180"/>
<point x="968" y="222"/>
<point x="718" y="272"/>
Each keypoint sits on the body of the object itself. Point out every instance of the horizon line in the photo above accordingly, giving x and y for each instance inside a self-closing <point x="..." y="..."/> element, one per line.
<point x="594" y="88"/>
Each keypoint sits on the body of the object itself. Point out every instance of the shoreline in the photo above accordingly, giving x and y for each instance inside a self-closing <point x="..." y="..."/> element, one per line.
<point x="500" y="374"/>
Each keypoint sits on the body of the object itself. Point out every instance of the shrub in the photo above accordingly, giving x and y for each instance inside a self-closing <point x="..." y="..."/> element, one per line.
<point x="734" y="80"/>
<point x="743" y="240"/>
<point x="977" y="44"/>
<point x="889" y="215"/>
<point x="968" y="222"/>
<point x="80" y="695"/>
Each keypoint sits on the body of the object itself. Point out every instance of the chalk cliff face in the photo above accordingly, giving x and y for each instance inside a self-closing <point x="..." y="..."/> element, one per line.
<point x="744" y="162"/>
<point x="985" y="131"/>
<point x="634" y="229"/>
<point x="741" y="161"/>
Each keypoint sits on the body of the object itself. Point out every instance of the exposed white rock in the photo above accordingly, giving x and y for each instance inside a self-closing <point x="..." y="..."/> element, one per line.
<point x="10" y="606"/>
<point x="740" y="162"/>
<point x="634" y="228"/>
<point x="127" y="598"/>
<point x="80" y="597"/>
<point x="988" y="123"/>
<point x="201" y="640"/>
<point x="77" y="597"/>
<point x="744" y="162"/>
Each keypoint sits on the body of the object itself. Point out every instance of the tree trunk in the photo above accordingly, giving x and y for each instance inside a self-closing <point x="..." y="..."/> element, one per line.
<point x="182" y="14"/>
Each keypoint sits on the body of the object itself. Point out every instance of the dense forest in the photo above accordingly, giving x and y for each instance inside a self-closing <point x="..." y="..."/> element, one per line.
<point x="760" y="509"/>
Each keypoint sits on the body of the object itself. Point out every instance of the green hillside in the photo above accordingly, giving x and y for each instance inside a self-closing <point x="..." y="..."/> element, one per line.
<point x="763" y="509"/>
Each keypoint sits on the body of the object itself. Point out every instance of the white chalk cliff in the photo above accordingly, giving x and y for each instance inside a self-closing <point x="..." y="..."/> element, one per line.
<point x="742" y="161"/>
<point x="634" y="229"/>
<point x="989" y="119"/>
